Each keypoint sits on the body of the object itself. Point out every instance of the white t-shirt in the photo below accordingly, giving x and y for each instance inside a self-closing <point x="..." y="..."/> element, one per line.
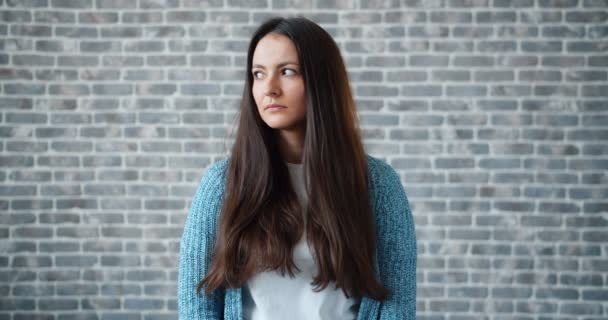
<point x="270" y="296"/>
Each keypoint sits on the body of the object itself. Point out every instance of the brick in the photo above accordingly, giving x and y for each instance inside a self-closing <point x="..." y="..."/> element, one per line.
<point x="125" y="232"/>
<point x="77" y="232"/>
<point x="96" y="303"/>
<point x="57" y="304"/>
<point x="449" y="306"/>
<point x="17" y="246"/>
<point x="144" y="304"/>
<point x="574" y="250"/>
<point x="527" y="278"/>
<point x="581" y="280"/>
<point x="580" y="309"/>
<point x="118" y="175"/>
<point x="120" y="261"/>
<point x="31" y="262"/>
<point x="142" y="17"/>
<point x="59" y="247"/>
<point x="536" y="307"/>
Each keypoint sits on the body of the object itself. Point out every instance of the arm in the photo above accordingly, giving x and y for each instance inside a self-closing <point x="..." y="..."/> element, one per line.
<point x="396" y="247"/>
<point x="196" y="247"/>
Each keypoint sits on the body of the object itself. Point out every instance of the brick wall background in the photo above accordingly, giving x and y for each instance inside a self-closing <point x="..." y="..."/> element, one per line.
<point x="495" y="113"/>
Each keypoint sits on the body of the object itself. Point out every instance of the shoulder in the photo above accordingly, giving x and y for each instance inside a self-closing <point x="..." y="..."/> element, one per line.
<point x="201" y="222"/>
<point x="211" y="184"/>
<point x="215" y="172"/>
<point x="390" y="202"/>
<point x="381" y="173"/>
<point x="388" y="195"/>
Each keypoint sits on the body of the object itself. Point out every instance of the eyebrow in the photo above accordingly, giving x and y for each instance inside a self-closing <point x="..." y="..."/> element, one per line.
<point x="279" y="65"/>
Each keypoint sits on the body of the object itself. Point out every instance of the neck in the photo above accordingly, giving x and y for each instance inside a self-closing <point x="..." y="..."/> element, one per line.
<point x="291" y="145"/>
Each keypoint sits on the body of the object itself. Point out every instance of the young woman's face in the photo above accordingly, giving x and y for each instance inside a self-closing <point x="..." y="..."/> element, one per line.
<point x="277" y="80"/>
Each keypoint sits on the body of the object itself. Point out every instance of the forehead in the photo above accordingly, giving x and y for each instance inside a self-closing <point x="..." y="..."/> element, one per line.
<point x="273" y="49"/>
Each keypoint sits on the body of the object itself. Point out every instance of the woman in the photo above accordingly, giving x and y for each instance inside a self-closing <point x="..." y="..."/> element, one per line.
<point x="298" y="195"/>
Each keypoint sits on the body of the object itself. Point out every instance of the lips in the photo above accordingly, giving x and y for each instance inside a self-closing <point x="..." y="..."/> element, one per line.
<point x="274" y="105"/>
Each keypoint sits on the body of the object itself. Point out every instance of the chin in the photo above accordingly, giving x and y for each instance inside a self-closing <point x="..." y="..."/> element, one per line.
<point x="278" y="126"/>
<point x="281" y="125"/>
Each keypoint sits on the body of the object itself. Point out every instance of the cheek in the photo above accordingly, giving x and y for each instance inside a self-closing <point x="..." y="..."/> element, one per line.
<point x="302" y="98"/>
<point x="297" y="92"/>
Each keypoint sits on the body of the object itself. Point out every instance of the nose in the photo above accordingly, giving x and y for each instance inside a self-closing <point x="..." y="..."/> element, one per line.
<point x="273" y="87"/>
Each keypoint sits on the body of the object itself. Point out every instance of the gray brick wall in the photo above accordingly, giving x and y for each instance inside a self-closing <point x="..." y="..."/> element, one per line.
<point x="494" y="112"/>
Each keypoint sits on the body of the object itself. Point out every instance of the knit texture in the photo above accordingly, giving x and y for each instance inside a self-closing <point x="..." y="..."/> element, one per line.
<point x="395" y="261"/>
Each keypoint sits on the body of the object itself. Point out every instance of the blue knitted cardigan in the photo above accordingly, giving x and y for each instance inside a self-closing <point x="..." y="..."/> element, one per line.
<point x="394" y="264"/>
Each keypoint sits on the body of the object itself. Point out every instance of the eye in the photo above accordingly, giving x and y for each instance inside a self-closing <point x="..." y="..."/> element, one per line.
<point x="254" y="74"/>
<point x="294" y="72"/>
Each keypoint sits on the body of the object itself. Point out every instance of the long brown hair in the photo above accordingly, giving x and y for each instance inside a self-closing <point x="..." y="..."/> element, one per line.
<point x="261" y="220"/>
